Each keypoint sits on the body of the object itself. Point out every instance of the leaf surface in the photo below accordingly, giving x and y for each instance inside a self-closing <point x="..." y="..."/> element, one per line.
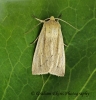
<point x="16" y="53"/>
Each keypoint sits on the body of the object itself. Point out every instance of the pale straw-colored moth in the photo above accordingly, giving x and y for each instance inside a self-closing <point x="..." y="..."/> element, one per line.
<point x="49" y="56"/>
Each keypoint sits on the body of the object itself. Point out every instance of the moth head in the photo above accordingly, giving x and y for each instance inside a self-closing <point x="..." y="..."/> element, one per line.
<point x="52" y="18"/>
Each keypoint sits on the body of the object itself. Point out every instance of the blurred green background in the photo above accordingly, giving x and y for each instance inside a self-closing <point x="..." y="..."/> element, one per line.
<point x="16" y="53"/>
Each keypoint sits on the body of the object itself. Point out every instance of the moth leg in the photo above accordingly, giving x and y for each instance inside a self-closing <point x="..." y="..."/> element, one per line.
<point x="59" y="17"/>
<point x="65" y="45"/>
<point x="34" y="40"/>
<point x="42" y="21"/>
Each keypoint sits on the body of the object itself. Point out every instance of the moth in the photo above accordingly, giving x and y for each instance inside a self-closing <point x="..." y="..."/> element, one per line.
<point x="49" y="56"/>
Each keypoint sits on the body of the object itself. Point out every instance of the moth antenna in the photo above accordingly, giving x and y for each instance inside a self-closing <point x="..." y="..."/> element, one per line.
<point x="34" y="16"/>
<point x="59" y="16"/>
<point x="41" y="21"/>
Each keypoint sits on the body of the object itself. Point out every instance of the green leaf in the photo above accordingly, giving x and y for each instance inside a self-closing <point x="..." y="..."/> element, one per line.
<point x="16" y="53"/>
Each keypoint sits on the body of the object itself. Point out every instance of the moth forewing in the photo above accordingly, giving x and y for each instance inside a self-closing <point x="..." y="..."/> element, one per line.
<point x="49" y="56"/>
